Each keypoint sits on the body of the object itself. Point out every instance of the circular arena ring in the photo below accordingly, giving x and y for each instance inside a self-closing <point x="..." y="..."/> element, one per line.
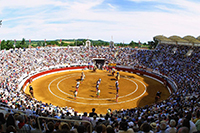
<point x="134" y="90"/>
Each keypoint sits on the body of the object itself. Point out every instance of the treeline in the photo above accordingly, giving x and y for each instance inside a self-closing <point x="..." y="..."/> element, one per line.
<point x="8" y="44"/>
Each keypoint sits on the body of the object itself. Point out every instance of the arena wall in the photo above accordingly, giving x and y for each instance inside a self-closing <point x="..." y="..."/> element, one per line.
<point x="44" y="73"/>
<point x="162" y="79"/>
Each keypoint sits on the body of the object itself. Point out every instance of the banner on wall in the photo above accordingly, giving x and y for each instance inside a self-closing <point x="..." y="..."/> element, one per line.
<point x="112" y="64"/>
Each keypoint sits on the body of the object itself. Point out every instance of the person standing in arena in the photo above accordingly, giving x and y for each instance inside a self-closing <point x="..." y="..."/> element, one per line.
<point x="113" y="71"/>
<point x="99" y="80"/>
<point x="31" y="90"/>
<point x="117" y="87"/>
<point x="77" y="86"/>
<point x="98" y="93"/>
<point x="94" y="68"/>
<point x="117" y="96"/>
<point x="118" y="76"/>
<point x="75" y="94"/>
<point x="117" y="90"/>
<point x="82" y="76"/>
<point x="97" y="86"/>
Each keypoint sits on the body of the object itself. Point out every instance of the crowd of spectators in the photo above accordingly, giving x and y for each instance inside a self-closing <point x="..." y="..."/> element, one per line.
<point x="179" y="113"/>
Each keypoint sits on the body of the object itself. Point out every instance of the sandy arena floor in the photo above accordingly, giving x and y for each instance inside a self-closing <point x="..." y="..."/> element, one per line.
<point x="134" y="91"/>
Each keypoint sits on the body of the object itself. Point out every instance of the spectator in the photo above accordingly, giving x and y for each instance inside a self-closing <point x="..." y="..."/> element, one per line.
<point x="109" y="129"/>
<point x="197" y="116"/>
<point x="183" y="130"/>
<point x="22" y="125"/>
<point x="75" y="116"/>
<point x="81" y="129"/>
<point x="153" y="127"/>
<point x="2" y="122"/>
<point x="10" y="121"/>
<point x="84" y="117"/>
<point x="192" y="125"/>
<point x="10" y="129"/>
<point x="162" y="126"/>
<point x="123" y="128"/>
<point x="99" y="129"/>
<point x="64" y="127"/>
<point x="1" y="127"/>
<point x="94" y="121"/>
<point x="29" y="112"/>
<point x="172" y="128"/>
<point x="75" y="128"/>
<point x="2" y="118"/>
<point x="145" y="127"/>
<point x="92" y="113"/>
<point x="50" y="127"/>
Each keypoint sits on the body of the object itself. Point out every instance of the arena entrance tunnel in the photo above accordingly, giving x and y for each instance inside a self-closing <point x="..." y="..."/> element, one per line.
<point x="99" y="62"/>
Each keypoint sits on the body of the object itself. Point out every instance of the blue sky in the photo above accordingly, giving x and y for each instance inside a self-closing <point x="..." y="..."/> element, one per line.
<point x="125" y="20"/>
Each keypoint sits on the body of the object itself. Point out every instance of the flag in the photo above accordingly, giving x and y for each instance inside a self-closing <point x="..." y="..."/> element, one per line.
<point x="29" y="40"/>
<point x="0" y="41"/>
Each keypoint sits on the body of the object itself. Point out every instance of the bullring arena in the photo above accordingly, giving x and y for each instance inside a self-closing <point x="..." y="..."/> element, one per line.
<point x="54" y="72"/>
<point x="135" y="90"/>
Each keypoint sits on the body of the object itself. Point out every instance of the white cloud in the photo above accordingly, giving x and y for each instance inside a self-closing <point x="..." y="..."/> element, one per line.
<point x="142" y="0"/>
<point x="188" y="6"/>
<point x="111" y="6"/>
<point x="81" y="19"/>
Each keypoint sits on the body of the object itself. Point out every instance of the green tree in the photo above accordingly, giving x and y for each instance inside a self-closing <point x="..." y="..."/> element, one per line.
<point x="152" y="44"/>
<point x="84" y="41"/>
<point x="23" y="43"/>
<point x="71" y="44"/>
<point x="78" y="43"/>
<point x="3" y="44"/>
<point x="133" y="44"/>
<point x="9" y="44"/>
<point x="39" y="44"/>
<point x="106" y="43"/>
<point x="52" y="43"/>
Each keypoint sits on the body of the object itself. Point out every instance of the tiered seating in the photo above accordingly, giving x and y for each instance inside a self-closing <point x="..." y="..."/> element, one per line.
<point x="172" y="114"/>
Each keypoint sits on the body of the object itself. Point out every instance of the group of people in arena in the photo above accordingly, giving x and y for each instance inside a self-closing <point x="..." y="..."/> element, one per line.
<point x="178" y="113"/>
<point x="78" y="84"/>
<point x="97" y="86"/>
